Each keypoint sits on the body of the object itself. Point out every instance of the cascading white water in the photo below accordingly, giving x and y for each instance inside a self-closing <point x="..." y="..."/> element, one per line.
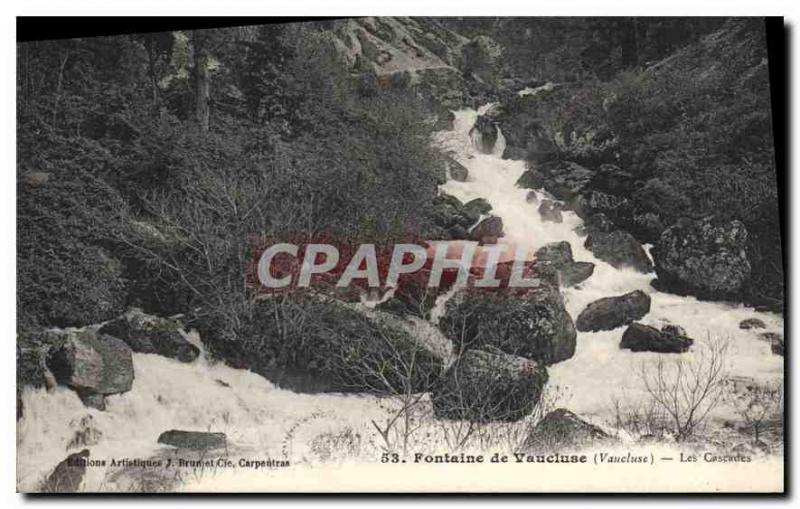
<point x="600" y="370"/>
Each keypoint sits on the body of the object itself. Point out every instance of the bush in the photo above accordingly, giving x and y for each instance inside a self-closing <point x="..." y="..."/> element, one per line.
<point x="66" y="273"/>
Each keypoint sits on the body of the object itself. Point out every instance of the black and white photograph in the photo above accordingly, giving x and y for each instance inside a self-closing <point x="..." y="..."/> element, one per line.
<point x="451" y="254"/>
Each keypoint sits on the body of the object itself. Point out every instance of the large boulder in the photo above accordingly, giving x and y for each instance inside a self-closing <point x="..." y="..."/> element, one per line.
<point x="619" y="249"/>
<point x="643" y="338"/>
<point x="68" y="475"/>
<point x="530" y="179"/>
<point x="478" y="206"/>
<point x="484" y="134"/>
<point x="486" y="386"/>
<point x="145" y="333"/>
<point x="488" y="230"/>
<point x="94" y="365"/>
<point x="559" y="255"/>
<point x="564" y="179"/>
<point x="647" y="226"/>
<point x="532" y="324"/>
<point x="561" y="429"/>
<point x="609" y="313"/>
<point x="456" y="170"/>
<point x="452" y="217"/>
<point x="194" y="440"/>
<point x="706" y="258"/>
<point x="595" y="223"/>
<point x="609" y="178"/>
<point x="550" y="211"/>
<point x="616" y="208"/>
<point x="751" y="323"/>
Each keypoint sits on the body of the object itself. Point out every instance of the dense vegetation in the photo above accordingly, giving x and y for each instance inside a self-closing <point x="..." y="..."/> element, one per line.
<point x="150" y="165"/>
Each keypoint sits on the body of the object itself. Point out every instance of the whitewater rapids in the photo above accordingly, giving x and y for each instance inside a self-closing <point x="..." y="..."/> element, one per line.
<point x="600" y="371"/>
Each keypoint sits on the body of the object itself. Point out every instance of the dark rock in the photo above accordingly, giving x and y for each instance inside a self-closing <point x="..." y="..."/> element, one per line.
<point x="484" y="134"/>
<point x="564" y="179"/>
<point x="532" y="324"/>
<point x="599" y="223"/>
<point x="488" y="230"/>
<point x="448" y="211"/>
<point x="777" y="346"/>
<point x="609" y="313"/>
<point x="609" y="178"/>
<point x="531" y="197"/>
<point x="151" y="334"/>
<point x="675" y="330"/>
<point x="751" y="323"/>
<point x="643" y="338"/>
<point x="562" y="429"/>
<point x="550" y="211"/>
<point x="484" y="386"/>
<point x="478" y="206"/>
<point x="68" y="475"/>
<point x="619" y="249"/>
<point x="456" y="170"/>
<point x="559" y="255"/>
<point x="458" y="232"/>
<point x="704" y="258"/>
<point x="775" y="340"/>
<point x="576" y="273"/>
<point x="647" y="227"/>
<point x="556" y="253"/>
<point x="530" y="179"/>
<point x="617" y="209"/>
<point x="92" y="364"/>
<point x="195" y="440"/>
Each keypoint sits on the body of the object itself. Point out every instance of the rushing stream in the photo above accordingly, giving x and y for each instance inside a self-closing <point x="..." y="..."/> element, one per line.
<point x="600" y="370"/>
<point x="257" y="416"/>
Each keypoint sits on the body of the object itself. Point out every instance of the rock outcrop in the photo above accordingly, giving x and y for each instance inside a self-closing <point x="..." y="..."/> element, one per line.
<point x="456" y="170"/>
<point x="486" y="386"/>
<point x="565" y="180"/>
<point x="145" y="333"/>
<point x="68" y="475"/>
<point x="550" y="211"/>
<point x="562" y="430"/>
<point x="617" y="209"/>
<point x="559" y="255"/>
<point x="620" y="249"/>
<point x="194" y="440"/>
<point x="611" y="312"/>
<point x="751" y="323"/>
<point x="94" y="365"/>
<point x="484" y="134"/>
<point x="452" y="218"/>
<point x="532" y="324"/>
<point x="643" y="338"/>
<point x="488" y="230"/>
<point x="705" y="258"/>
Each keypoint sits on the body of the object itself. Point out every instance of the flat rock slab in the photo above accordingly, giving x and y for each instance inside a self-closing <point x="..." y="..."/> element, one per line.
<point x="195" y="440"/>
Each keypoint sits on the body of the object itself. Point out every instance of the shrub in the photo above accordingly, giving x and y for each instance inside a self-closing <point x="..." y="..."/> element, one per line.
<point x="66" y="273"/>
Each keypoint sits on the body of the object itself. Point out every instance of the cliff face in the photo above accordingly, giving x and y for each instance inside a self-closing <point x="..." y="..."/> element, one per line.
<point x="394" y="44"/>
